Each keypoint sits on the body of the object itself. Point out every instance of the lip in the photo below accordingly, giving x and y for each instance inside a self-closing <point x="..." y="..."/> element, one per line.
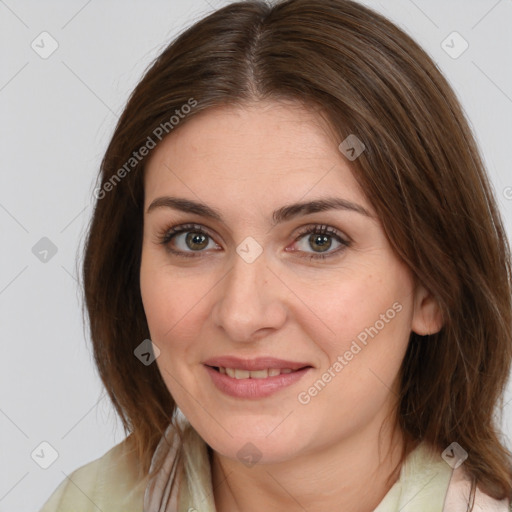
<point x="254" y="388"/>
<point x="259" y="363"/>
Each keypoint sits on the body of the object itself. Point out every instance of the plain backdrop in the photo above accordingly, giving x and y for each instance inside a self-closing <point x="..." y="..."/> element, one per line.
<point x="58" y="112"/>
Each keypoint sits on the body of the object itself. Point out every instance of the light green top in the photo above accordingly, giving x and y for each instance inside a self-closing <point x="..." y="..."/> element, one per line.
<point x="110" y="484"/>
<point x="107" y="484"/>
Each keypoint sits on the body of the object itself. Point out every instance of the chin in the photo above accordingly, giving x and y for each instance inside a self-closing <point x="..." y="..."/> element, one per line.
<point x="262" y="444"/>
<point x="252" y="451"/>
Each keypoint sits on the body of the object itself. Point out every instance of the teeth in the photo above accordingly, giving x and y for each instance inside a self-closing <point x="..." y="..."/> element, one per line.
<point x="259" y="374"/>
<point x="236" y="373"/>
<point x="242" y="374"/>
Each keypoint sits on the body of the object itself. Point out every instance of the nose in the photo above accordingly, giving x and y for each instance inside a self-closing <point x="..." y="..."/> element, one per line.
<point x="249" y="303"/>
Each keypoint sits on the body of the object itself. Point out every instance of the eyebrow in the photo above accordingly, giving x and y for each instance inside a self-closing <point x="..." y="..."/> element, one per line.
<point x="280" y="215"/>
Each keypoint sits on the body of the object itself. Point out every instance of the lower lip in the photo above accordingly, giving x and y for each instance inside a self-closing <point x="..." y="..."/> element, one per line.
<point x="254" y="388"/>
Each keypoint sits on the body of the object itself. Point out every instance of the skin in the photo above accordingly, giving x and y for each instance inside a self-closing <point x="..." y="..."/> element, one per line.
<point x="246" y="162"/>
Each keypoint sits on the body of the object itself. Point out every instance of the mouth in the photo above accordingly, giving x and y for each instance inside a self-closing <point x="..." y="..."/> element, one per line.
<point x="254" y="384"/>
<point x="240" y="373"/>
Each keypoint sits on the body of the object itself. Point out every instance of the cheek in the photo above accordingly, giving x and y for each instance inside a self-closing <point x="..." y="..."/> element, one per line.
<point x="174" y="306"/>
<point x="357" y="306"/>
<point x="170" y="315"/>
<point x="158" y="297"/>
<point x="370" y="319"/>
<point x="369" y="322"/>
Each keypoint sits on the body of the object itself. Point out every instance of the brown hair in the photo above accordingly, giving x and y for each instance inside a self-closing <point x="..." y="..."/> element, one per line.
<point x="421" y="171"/>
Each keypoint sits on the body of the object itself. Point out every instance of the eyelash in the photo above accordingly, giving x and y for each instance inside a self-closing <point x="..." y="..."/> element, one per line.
<point x="165" y="236"/>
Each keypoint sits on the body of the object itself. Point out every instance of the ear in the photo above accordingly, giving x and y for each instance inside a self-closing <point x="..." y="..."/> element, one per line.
<point x="427" y="316"/>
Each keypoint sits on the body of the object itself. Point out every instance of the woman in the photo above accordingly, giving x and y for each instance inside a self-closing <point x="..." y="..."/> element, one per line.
<point x="297" y="277"/>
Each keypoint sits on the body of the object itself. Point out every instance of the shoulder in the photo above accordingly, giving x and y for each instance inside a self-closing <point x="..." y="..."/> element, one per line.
<point x="111" y="483"/>
<point x="427" y="483"/>
<point x="458" y="496"/>
<point x="454" y="485"/>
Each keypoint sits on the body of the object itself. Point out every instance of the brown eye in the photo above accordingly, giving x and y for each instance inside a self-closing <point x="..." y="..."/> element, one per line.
<point x="320" y="240"/>
<point x="186" y="240"/>
<point x="196" y="241"/>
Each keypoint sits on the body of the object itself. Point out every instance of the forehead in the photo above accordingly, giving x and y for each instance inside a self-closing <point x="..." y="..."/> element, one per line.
<point x="250" y="154"/>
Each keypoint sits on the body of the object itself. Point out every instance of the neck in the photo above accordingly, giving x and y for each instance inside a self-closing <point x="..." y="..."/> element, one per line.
<point x="354" y="474"/>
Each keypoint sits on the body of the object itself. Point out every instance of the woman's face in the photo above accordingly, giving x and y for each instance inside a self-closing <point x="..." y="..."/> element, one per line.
<point x="249" y="278"/>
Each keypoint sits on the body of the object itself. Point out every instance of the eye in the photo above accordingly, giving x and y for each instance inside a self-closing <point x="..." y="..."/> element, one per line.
<point x="321" y="239"/>
<point x="187" y="239"/>
<point x="190" y="240"/>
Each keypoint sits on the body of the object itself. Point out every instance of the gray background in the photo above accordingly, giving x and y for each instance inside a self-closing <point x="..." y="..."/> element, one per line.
<point x="57" y="116"/>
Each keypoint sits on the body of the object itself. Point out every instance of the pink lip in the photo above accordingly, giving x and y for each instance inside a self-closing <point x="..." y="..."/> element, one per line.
<point x="254" y="388"/>
<point x="259" y="363"/>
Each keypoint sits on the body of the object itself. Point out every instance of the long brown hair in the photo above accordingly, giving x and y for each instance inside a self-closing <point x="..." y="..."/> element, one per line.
<point x="421" y="171"/>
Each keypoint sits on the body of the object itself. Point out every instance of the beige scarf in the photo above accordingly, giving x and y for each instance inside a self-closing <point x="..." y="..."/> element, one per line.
<point x="160" y="496"/>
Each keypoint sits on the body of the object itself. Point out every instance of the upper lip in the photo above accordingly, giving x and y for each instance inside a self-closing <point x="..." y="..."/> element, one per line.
<point x="258" y="363"/>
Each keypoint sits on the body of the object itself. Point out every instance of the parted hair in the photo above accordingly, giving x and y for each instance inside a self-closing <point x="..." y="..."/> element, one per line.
<point x="421" y="170"/>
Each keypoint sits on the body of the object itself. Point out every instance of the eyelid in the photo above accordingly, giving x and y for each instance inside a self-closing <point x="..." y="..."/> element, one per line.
<point x="323" y="229"/>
